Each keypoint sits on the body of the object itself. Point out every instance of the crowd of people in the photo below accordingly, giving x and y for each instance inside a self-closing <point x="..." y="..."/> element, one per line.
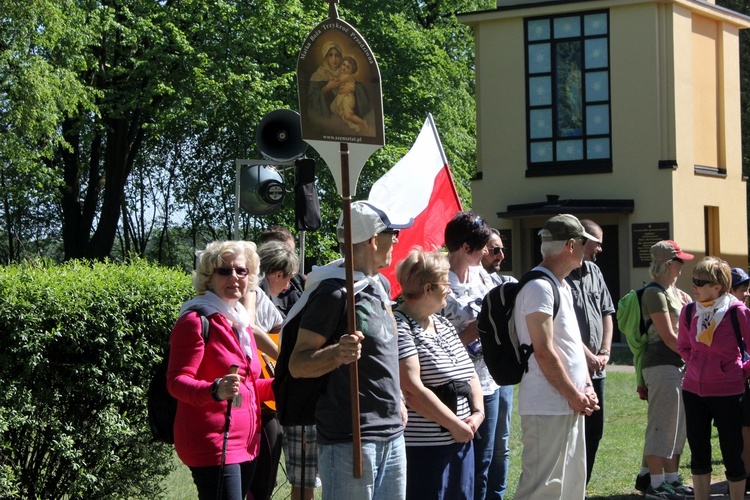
<point x="432" y="421"/>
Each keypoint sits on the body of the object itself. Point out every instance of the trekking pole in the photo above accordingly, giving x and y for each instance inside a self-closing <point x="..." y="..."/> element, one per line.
<point x="227" y="420"/>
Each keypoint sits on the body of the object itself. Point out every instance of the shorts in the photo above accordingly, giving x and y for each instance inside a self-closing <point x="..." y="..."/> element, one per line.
<point x="293" y="456"/>
<point x="665" y="429"/>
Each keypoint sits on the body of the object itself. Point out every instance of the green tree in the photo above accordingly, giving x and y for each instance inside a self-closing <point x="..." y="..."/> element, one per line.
<point x="173" y="91"/>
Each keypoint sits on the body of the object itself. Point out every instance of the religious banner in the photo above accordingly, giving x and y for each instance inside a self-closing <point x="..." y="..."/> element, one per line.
<point x="340" y="96"/>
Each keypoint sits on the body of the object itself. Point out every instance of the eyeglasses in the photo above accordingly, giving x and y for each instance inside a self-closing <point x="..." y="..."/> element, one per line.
<point x="700" y="283"/>
<point x="584" y="240"/>
<point x="497" y="250"/>
<point x="227" y="271"/>
<point x="445" y="286"/>
<point x="392" y="232"/>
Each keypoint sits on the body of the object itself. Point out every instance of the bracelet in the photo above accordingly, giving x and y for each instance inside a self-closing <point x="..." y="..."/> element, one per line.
<point x="215" y="390"/>
<point x="478" y="411"/>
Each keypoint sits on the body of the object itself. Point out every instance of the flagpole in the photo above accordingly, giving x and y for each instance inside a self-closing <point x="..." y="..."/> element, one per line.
<point x="446" y="166"/>
<point x="351" y="320"/>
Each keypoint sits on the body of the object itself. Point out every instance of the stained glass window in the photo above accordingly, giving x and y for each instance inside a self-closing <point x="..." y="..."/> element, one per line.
<point x="568" y="120"/>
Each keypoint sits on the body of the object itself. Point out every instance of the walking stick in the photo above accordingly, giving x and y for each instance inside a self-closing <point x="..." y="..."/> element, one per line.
<point x="227" y="420"/>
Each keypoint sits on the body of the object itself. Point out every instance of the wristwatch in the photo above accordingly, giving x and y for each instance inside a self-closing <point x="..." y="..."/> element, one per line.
<point x="603" y="351"/>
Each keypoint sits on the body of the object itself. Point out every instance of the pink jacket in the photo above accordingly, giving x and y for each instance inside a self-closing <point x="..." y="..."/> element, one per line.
<point x="718" y="369"/>
<point x="199" y="424"/>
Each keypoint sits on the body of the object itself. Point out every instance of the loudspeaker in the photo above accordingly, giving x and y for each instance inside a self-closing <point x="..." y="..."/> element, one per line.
<point x="279" y="136"/>
<point x="306" y="204"/>
<point x="261" y="189"/>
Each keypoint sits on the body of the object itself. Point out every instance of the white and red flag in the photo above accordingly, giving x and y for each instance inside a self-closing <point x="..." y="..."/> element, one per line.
<point x="419" y="186"/>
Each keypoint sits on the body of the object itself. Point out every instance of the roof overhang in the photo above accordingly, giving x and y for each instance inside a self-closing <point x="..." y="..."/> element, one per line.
<point x="554" y="206"/>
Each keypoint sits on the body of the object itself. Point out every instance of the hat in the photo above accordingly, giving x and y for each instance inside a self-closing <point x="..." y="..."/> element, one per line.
<point x="368" y="220"/>
<point x="739" y="276"/>
<point x="668" y="250"/>
<point x="564" y="227"/>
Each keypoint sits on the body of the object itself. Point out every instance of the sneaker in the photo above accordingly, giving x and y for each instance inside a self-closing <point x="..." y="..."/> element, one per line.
<point x="642" y="481"/>
<point x="664" y="491"/>
<point x="683" y="489"/>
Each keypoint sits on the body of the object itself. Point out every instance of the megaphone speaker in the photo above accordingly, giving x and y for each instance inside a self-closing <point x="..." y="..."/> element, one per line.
<point x="279" y="136"/>
<point x="262" y="189"/>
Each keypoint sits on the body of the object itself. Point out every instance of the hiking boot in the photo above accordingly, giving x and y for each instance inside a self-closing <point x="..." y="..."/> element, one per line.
<point x="682" y="489"/>
<point x="642" y="481"/>
<point x="664" y="491"/>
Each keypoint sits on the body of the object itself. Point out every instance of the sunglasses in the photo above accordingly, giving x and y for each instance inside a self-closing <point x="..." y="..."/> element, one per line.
<point x="227" y="271"/>
<point x="497" y="250"/>
<point x="393" y="232"/>
<point x="700" y="283"/>
<point x="680" y="261"/>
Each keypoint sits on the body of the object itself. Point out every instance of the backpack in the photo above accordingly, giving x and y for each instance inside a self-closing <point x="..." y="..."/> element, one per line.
<point x="161" y="405"/>
<point x="633" y="326"/>
<point x="296" y="398"/>
<point x="506" y="360"/>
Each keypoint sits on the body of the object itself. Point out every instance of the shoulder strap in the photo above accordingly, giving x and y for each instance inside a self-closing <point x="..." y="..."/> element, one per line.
<point x="535" y="275"/>
<point x="646" y="323"/>
<point x="205" y="330"/>
<point x="689" y="311"/>
<point x="737" y="330"/>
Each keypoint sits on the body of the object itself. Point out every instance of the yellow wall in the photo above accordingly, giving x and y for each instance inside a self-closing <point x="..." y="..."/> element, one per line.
<point x="674" y="90"/>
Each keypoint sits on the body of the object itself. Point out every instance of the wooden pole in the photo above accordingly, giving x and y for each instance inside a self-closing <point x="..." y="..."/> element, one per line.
<point x="351" y="320"/>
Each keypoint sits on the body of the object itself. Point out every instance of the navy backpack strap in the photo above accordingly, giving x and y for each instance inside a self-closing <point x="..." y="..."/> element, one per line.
<point x="737" y="330"/>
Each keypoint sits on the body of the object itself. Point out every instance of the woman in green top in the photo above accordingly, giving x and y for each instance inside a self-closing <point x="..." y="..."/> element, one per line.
<point x="663" y="370"/>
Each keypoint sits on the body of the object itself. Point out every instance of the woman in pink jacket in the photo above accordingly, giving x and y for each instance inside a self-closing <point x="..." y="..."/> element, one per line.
<point x="212" y="394"/>
<point x="715" y="374"/>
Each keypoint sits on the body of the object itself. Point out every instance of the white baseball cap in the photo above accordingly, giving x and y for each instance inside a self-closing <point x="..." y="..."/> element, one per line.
<point x="368" y="219"/>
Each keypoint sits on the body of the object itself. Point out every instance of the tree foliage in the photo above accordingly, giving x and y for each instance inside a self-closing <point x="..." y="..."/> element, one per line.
<point x="138" y="110"/>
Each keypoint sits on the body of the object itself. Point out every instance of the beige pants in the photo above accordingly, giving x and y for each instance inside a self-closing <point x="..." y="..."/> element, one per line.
<point x="553" y="464"/>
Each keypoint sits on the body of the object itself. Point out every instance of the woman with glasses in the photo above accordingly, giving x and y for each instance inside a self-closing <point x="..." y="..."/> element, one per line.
<point x="217" y="425"/>
<point x="438" y="382"/>
<point x="710" y="338"/>
<point x="662" y="372"/>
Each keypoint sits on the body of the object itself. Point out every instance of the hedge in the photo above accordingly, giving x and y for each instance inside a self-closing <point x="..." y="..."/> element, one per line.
<point x="78" y="344"/>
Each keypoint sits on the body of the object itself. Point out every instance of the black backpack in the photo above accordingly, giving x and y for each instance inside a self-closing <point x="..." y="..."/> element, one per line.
<point x="296" y="398"/>
<point x="506" y="360"/>
<point x="162" y="406"/>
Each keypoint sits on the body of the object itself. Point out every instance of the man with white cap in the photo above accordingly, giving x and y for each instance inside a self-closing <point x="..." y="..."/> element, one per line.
<point x="556" y="392"/>
<point x="325" y="347"/>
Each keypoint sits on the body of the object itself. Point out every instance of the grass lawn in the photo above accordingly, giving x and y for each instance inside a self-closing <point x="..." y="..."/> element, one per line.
<point x="617" y="461"/>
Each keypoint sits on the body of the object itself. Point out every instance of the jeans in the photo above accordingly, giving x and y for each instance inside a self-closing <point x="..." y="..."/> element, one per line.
<point x="237" y="479"/>
<point x="383" y="471"/>
<point x="440" y="471"/>
<point x="491" y="448"/>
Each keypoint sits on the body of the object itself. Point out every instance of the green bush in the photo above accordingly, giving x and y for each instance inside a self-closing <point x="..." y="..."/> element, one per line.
<point x="78" y="344"/>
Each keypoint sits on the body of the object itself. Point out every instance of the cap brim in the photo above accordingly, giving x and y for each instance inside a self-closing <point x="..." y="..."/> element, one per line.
<point x="589" y="237"/>
<point x="684" y="255"/>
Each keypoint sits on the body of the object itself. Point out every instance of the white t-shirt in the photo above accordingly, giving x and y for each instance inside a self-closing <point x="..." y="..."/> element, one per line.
<point x="536" y="395"/>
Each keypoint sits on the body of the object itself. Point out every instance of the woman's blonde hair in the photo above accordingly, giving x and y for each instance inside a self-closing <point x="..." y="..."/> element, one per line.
<point x="715" y="270"/>
<point x="214" y="255"/>
<point x="418" y="269"/>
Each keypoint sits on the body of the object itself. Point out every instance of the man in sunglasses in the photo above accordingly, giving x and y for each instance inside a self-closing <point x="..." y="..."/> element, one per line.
<point x="325" y="346"/>
<point x="492" y="261"/>
<point x="594" y="309"/>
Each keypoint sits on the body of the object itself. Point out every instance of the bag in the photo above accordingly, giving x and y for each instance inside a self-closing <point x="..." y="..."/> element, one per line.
<point x="296" y="398"/>
<point x="506" y="360"/>
<point x="631" y="324"/>
<point x="161" y="405"/>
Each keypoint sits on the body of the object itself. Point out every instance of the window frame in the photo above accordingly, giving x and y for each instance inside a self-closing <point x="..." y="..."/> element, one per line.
<point x="552" y="109"/>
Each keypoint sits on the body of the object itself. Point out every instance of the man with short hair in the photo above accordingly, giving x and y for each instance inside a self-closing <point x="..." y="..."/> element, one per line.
<point x="556" y="392"/>
<point x="499" y="455"/>
<point x="594" y="309"/>
<point x="324" y="346"/>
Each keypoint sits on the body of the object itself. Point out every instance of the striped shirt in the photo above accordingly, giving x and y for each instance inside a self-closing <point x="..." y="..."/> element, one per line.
<point x="442" y="359"/>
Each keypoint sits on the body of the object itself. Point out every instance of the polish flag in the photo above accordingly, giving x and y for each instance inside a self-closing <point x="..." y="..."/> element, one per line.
<point x="419" y="186"/>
